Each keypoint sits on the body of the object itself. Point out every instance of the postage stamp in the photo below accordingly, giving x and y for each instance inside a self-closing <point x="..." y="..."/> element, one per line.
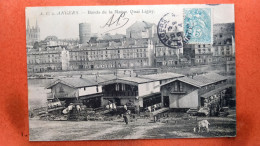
<point x="198" y="25"/>
<point x="169" y="31"/>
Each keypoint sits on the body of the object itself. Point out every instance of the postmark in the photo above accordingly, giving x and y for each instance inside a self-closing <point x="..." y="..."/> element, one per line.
<point x="170" y="31"/>
<point x="197" y="25"/>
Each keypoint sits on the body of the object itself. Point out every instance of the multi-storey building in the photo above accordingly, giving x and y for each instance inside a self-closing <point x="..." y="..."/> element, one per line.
<point x="203" y="54"/>
<point x="165" y="56"/>
<point x="224" y="44"/>
<point x="198" y="54"/>
<point x="138" y="49"/>
<point x="47" y="59"/>
<point x="125" y="53"/>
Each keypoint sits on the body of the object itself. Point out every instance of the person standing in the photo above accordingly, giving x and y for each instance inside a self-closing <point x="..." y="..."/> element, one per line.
<point x="126" y="117"/>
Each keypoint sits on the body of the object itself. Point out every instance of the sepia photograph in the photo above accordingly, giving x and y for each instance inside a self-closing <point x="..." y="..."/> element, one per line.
<point x="131" y="72"/>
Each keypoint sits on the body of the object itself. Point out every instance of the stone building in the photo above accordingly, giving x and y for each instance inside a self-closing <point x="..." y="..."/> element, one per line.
<point x="203" y="54"/>
<point x="224" y="42"/>
<point x="125" y="53"/>
<point x="84" y="33"/>
<point x="44" y="59"/>
<point x="140" y="30"/>
<point x="165" y="56"/>
<point x="32" y="33"/>
<point x="65" y="58"/>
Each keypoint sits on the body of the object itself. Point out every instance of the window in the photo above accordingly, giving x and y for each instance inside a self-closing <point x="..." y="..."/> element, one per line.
<point x="181" y="87"/>
<point x="117" y="87"/>
<point x="123" y="87"/>
<point x="175" y="86"/>
<point x="97" y="88"/>
<point x="61" y="89"/>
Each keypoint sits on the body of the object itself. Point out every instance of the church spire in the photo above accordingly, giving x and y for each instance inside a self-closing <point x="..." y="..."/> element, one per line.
<point x="36" y="24"/>
<point x="28" y="24"/>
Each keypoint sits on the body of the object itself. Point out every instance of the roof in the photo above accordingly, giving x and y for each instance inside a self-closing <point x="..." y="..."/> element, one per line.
<point x="122" y="44"/>
<point x="162" y="76"/>
<point x="209" y="78"/>
<point x="140" y="25"/>
<point x="186" y="80"/>
<point x="93" y="80"/>
<point x="127" y="80"/>
<point x="74" y="82"/>
<point x="200" y="80"/>
<point x="208" y="94"/>
<point x="136" y="79"/>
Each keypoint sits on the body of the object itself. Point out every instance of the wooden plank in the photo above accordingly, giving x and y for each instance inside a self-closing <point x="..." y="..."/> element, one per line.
<point x="160" y="111"/>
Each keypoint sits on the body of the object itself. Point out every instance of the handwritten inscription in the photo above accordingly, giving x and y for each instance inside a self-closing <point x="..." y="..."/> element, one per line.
<point x="116" y="22"/>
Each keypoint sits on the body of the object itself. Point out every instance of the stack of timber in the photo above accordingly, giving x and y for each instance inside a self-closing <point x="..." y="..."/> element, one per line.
<point x="192" y="111"/>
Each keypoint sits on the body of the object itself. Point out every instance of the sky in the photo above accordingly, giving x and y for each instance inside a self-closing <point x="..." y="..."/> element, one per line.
<point x="63" y="22"/>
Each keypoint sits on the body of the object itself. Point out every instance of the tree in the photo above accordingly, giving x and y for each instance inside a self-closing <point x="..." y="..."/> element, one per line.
<point x="36" y="45"/>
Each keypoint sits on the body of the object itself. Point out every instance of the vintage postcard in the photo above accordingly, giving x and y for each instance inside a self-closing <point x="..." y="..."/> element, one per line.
<point x="131" y="72"/>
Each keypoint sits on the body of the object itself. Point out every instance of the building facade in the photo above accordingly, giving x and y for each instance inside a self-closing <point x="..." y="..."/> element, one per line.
<point x="203" y="54"/>
<point x="76" y="90"/>
<point x="165" y="56"/>
<point x="42" y="60"/>
<point x="224" y="42"/>
<point x="141" y="92"/>
<point x="140" y="48"/>
<point x="127" y="53"/>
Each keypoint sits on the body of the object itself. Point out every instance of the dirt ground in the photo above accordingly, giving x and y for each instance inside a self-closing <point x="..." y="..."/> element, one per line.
<point x="140" y="129"/>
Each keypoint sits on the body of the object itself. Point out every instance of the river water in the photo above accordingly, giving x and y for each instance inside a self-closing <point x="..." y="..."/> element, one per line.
<point x="37" y="94"/>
